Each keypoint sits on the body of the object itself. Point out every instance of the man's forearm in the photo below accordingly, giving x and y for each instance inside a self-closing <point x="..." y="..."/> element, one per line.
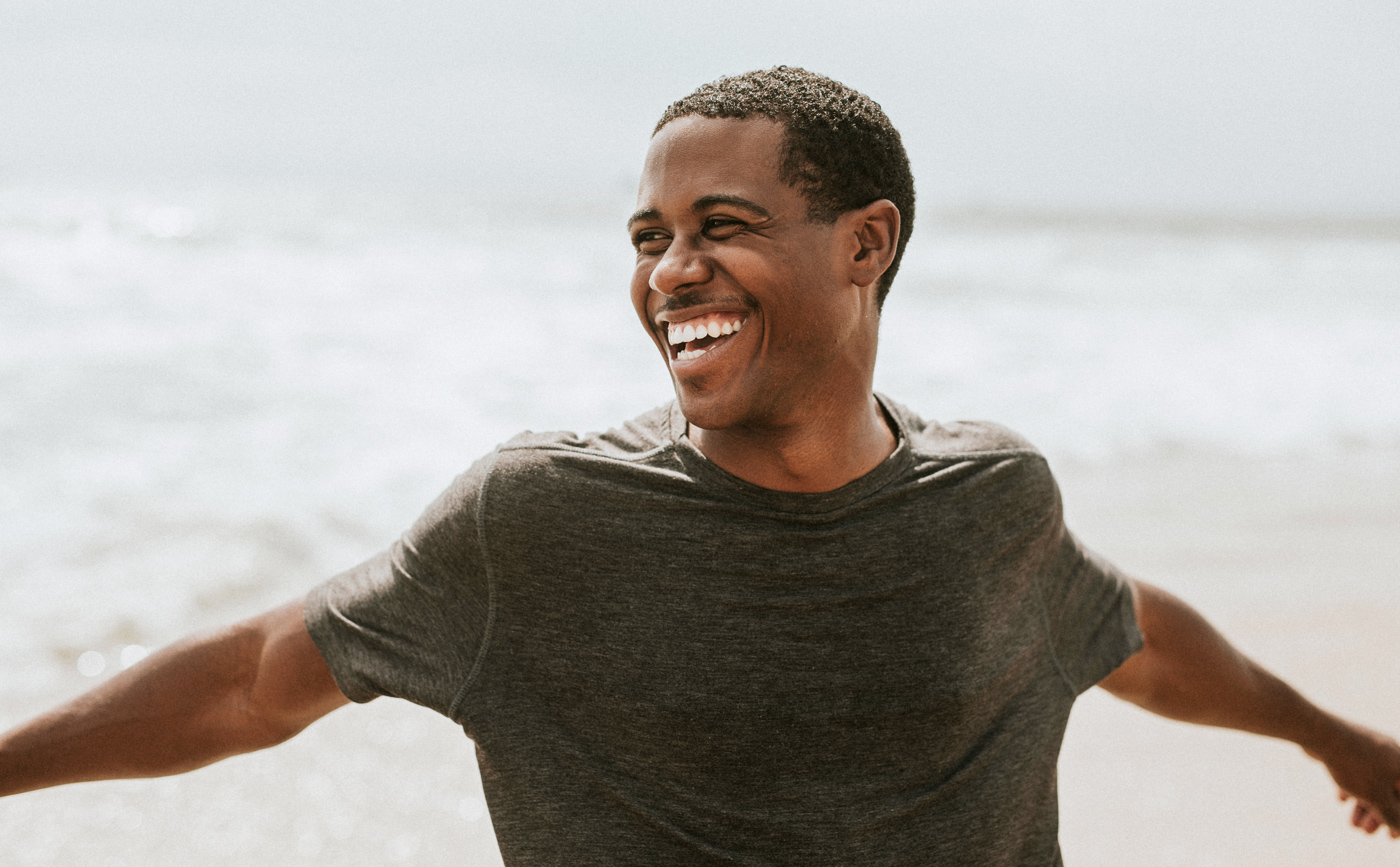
<point x="198" y="701"/>
<point x="1189" y="671"/>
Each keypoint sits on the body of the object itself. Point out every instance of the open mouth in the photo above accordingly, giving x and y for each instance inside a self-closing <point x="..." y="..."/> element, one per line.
<point x="694" y="337"/>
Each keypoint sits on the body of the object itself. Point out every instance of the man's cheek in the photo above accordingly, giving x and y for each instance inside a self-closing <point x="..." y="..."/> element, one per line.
<point x="640" y="293"/>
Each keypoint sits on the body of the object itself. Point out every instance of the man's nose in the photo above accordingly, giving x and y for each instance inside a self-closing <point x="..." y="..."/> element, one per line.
<point x="681" y="266"/>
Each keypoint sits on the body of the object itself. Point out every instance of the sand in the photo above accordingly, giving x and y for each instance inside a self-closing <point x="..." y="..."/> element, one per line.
<point x="1296" y="561"/>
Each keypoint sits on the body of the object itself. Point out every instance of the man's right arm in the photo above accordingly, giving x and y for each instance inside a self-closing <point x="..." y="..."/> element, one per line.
<point x="243" y="688"/>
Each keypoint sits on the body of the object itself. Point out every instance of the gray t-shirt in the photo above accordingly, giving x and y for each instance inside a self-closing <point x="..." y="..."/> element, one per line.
<point x="663" y="664"/>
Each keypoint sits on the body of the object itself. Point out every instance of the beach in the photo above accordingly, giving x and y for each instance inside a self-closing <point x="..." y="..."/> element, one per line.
<point x="1296" y="564"/>
<point x="215" y="400"/>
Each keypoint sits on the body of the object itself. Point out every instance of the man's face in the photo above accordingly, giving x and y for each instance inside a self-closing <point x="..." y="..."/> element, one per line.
<point x="742" y="293"/>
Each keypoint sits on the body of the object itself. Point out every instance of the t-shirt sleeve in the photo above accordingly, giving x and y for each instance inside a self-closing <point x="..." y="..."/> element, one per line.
<point x="1089" y="613"/>
<point x="412" y="621"/>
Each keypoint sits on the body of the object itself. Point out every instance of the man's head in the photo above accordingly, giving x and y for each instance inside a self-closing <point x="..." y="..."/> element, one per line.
<point x="839" y="148"/>
<point x="726" y="243"/>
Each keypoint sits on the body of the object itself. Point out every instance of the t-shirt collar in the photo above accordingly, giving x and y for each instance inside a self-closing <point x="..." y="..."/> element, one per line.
<point x="708" y="472"/>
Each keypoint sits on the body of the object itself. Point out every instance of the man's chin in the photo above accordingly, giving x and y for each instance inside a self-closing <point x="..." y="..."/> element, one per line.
<point x="708" y="412"/>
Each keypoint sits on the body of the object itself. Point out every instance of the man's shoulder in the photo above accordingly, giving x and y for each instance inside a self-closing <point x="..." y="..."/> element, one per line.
<point x="998" y="468"/>
<point x="957" y="438"/>
<point x="648" y="435"/>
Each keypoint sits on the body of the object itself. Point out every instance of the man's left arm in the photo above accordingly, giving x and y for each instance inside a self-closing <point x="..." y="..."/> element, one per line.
<point x="1187" y="671"/>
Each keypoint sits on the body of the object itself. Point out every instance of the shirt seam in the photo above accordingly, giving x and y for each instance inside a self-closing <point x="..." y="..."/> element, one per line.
<point x="1050" y="639"/>
<point x="1014" y="451"/>
<point x="587" y="452"/>
<point x="1040" y="594"/>
<point x="488" y="630"/>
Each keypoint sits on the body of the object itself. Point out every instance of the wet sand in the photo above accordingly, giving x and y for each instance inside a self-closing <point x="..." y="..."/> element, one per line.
<point x="1296" y="560"/>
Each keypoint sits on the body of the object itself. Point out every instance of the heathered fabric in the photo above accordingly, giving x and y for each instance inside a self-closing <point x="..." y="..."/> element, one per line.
<point x="661" y="664"/>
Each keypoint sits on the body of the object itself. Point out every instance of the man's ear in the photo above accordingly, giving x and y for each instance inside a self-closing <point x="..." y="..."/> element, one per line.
<point x="874" y="230"/>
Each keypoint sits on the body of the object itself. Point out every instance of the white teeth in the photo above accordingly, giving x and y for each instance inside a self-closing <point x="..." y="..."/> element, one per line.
<point x="679" y="334"/>
<point x="687" y="354"/>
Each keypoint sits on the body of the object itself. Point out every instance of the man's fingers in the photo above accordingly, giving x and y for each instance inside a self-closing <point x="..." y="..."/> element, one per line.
<point x="1386" y="808"/>
<point x="1365" y="819"/>
<point x="1370" y="819"/>
<point x="1395" y="807"/>
<point x="1389" y="812"/>
<point x="1368" y="770"/>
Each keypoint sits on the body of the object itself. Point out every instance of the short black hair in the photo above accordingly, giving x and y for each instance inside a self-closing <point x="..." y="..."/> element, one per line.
<point x="840" y="150"/>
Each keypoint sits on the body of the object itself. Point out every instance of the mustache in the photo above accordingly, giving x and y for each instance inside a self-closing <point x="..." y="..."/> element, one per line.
<point x="682" y="302"/>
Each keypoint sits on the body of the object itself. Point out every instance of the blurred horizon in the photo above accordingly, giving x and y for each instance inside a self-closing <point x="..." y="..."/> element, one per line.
<point x="1236" y="108"/>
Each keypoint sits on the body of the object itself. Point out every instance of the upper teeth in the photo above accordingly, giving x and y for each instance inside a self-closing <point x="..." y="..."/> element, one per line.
<point x="695" y="329"/>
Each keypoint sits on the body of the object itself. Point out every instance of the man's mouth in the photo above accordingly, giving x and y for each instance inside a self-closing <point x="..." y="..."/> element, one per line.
<point x="694" y="337"/>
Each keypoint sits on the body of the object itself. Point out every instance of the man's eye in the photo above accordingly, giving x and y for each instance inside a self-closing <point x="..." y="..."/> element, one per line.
<point x="722" y="227"/>
<point x="650" y="241"/>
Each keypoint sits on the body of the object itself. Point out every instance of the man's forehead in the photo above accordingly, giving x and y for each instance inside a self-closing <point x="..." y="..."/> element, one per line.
<point x="695" y="138"/>
<point x="705" y="161"/>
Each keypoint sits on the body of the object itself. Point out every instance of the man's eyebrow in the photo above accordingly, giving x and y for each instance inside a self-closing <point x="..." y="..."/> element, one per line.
<point x="644" y="214"/>
<point x="706" y="202"/>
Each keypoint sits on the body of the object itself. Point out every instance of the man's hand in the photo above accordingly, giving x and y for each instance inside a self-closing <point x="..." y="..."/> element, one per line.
<point x="1186" y="670"/>
<point x="243" y="688"/>
<point x="1365" y="765"/>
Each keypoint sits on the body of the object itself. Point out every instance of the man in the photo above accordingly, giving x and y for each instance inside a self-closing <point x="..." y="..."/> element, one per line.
<point x="783" y="620"/>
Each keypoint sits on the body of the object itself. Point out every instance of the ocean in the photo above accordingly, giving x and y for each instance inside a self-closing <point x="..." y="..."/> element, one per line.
<point x="210" y="400"/>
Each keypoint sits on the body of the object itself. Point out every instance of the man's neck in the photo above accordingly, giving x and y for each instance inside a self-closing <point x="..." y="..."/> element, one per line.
<point x="821" y="453"/>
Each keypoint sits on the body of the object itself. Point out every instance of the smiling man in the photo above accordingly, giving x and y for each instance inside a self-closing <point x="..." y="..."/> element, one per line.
<point x="783" y="620"/>
<point x="750" y="300"/>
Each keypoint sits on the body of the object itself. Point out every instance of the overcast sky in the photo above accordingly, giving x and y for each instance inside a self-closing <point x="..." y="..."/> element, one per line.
<point x="1240" y="106"/>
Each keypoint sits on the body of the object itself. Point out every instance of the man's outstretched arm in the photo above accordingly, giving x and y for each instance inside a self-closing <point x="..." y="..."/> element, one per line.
<point x="1188" y="671"/>
<point x="204" y="698"/>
